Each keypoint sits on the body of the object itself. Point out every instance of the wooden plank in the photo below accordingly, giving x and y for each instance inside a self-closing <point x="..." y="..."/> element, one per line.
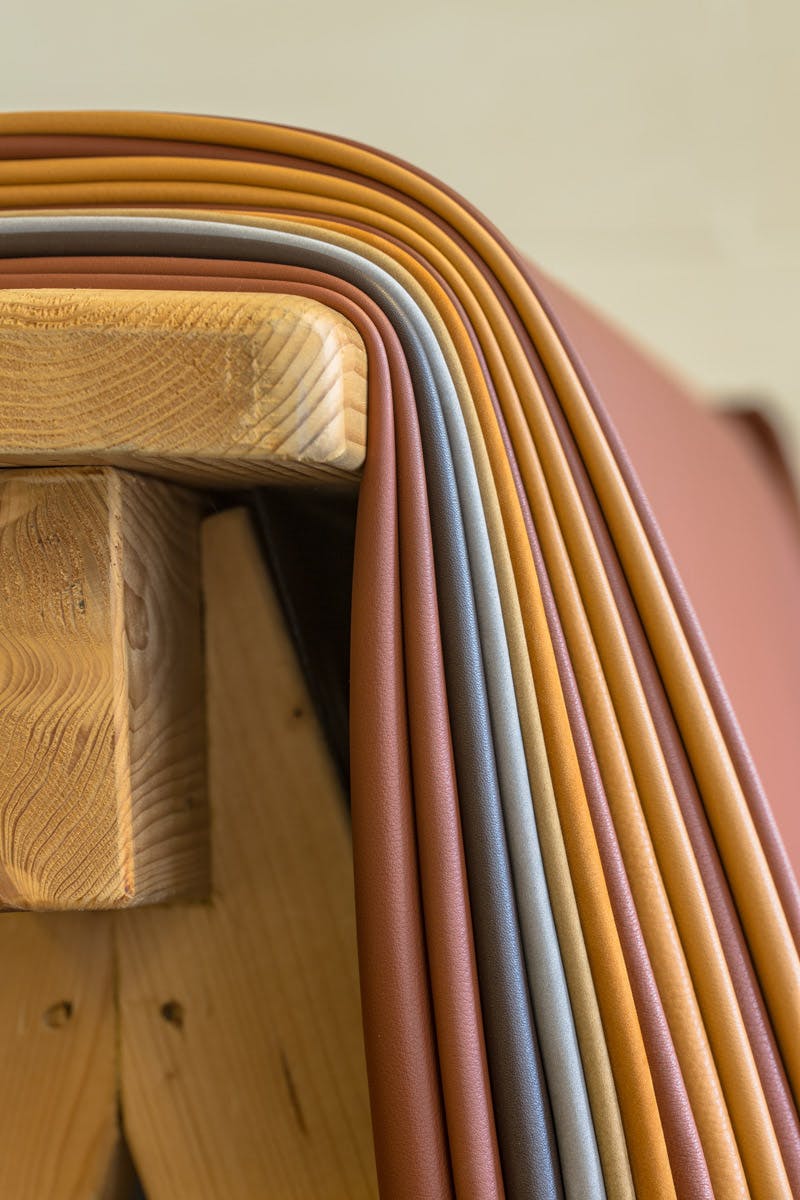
<point x="59" y="1133"/>
<point x="219" y="387"/>
<point x="242" y="1057"/>
<point x="102" y="722"/>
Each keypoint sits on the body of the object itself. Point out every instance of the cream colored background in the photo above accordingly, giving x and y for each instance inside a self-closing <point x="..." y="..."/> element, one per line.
<point x="647" y="154"/>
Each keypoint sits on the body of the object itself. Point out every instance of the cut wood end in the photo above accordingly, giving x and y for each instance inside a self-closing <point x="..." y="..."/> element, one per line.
<point x="217" y="386"/>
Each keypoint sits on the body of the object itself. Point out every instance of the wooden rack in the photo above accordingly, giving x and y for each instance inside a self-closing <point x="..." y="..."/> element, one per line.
<point x="180" y="983"/>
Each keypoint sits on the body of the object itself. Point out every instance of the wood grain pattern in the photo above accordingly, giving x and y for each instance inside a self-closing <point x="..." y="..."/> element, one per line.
<point x="102" y="755"/>
<point x="220" y="387"/>
<point x="242" y="1057"/>
<point x="59" y="1134"/>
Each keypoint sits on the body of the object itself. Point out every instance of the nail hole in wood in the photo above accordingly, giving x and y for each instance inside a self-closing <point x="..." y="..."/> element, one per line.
<point x="57" y="1015"/>
<point x="172" y="1012"/>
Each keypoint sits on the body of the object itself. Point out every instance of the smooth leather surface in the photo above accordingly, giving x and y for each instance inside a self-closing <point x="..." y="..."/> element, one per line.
<point x="257" y="132"/>
<point x="413" y="503"/>
<point x="704" y="925"/>
<point x="639" y="1111"/>
<point x="535" y="1164"/>
<point x="681" y="1129"/>
<point x="711" y="599"/>
<point x="747" y="990"/>
<point x="618" y="1176"/>
<point x="580" y="1164"/>
<point x="247" y="136"/>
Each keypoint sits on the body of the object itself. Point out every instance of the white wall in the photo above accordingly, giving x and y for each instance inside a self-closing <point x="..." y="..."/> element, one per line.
<point x="648" y="154"/>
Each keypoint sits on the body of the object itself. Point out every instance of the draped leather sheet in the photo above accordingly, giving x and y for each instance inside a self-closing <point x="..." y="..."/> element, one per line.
<point x="575" y="670"/>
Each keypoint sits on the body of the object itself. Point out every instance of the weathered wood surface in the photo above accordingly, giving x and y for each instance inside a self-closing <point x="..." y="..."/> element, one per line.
<point x="102" y="716"/>
<point x="241" y="1047"/>
<point x="219" y="387"/>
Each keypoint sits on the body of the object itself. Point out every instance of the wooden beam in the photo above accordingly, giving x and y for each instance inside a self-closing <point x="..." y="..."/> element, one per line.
<point x="223" y="388"/>
<point x="242" y="1054"/>
<point x="102" y="756"/>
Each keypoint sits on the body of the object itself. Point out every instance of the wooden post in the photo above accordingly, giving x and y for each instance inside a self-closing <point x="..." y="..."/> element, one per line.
<point x="102" y="723"/>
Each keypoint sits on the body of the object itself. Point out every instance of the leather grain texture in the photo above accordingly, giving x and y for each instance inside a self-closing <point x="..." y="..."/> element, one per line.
<point x="578" y="923"/>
